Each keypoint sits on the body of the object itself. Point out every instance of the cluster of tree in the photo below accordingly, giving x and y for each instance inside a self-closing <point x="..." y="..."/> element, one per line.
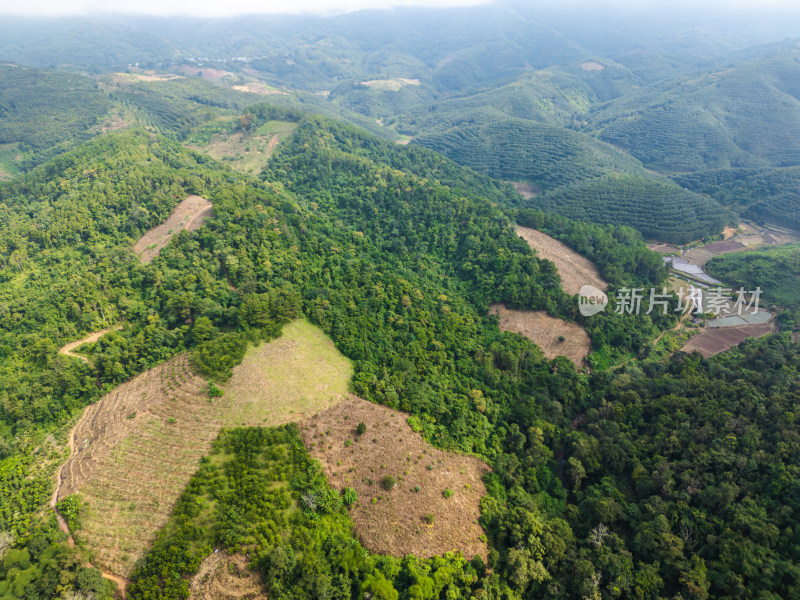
<point x="259" y="492"/>
<point x="44" y="568"/>
<point x="580" y="177"/>
<point x="659" y="210"/>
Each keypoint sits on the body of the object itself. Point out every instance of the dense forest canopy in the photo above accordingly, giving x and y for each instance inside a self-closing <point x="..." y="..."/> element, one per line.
<point x="644" y="473"/>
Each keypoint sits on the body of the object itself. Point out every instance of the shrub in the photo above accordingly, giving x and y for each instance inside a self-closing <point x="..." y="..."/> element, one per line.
<point x="447" y="493"/>
<point x="350" y="496"/>
<point x="388" y="482"/>
<point x="428" y="518"/>
<point x="362" y="427"/>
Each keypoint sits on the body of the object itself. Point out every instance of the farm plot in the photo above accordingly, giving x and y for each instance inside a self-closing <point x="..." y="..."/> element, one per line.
<point x="189" y="215"/>
<point x="575" y="270"/>
<point x="719" y="339"/>
<point x="554" y="336"/>
<point x="412" y="497"/>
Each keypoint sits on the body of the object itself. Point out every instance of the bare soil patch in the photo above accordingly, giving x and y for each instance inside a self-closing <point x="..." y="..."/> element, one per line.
<point x="545" y="331"/>
<point x="592" y="66"/>
<point x="223" y="576"/>
<point x="663" y="248"/>
<point x="575" y="270"/>
<point x="390" y="84"/>
<point x="526" y="190"/>
<point x="712" y="341"/>
<point x="133" y="451"/>
<point x="206" y="73"/>
<point x="247" y="153"/>
<point x="431" y="503"/>
<point x="723" y="247"/>
<point x="255" y="87"/>
<point x="189" y="215"/>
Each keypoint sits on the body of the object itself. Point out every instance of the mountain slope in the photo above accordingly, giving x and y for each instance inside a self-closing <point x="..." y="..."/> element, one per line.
<point x="747" y="115"/>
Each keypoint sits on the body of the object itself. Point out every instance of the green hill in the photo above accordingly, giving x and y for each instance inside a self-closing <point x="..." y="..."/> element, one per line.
<point x="660" y="210"/>
<point x="766" y="195"/>
<point x="745" y="115"/>
<point x="776" y="271"/>
<point x="42" y="113"/>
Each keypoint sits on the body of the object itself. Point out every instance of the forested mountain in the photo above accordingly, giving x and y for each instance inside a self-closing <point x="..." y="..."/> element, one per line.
<point x="643" y="473"/>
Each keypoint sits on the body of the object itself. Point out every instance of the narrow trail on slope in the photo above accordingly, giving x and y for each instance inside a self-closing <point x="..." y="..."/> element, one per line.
<point x="67" y="349"/>
<point x="121" y="582"/>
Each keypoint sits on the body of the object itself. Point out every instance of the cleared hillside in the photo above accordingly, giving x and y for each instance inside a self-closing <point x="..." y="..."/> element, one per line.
<point x="135" y="449"/>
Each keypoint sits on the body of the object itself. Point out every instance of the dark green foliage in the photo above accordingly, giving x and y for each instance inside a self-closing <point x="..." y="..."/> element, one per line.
<point x="42" y="567"/>
<point x="618" y="251"/>
<point x="244" y="495"/>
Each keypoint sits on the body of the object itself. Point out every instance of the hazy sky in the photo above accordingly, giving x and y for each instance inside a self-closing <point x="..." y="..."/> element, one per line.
<point x="210" y="7"/>
<point x="213" y="8"/>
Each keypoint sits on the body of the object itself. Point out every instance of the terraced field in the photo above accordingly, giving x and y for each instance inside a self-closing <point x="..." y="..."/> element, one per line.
<point x="133" y="452"/>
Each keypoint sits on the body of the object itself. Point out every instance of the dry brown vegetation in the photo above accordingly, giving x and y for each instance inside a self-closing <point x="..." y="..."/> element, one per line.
<point x="575" y="270"/>
<point x="545" y="331"/>
<point x="190" y="214"/>
<point x="226" y="577"/>
<point x="714" y="340"/>
<point x="134" y="451"/>
<point x="136" y="448"/>
<point x="390" y="517"/>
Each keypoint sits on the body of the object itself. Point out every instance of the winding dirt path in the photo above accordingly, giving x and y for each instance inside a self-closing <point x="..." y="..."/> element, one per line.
<point x="67" y="349"/>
